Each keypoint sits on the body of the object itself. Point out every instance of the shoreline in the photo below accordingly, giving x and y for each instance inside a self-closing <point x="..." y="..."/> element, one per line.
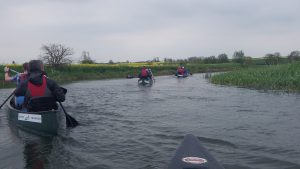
<point x="284" y="77"/>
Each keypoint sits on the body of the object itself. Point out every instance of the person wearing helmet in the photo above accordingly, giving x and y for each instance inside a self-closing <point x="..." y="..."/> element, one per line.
<point x="150" y="74"/>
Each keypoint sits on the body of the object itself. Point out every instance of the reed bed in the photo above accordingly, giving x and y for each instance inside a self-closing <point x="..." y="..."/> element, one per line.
<point x="277" y="77"/>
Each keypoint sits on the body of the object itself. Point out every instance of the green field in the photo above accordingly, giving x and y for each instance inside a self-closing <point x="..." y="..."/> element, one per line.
<point x="284" y="77"/>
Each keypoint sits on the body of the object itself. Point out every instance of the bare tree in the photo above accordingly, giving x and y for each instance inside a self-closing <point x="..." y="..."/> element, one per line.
<point x="56" y="54"/>
<point x="294" y="56"/>
<point x="223" y="58"/>
<point x="239" y="57"/>
<point x="272" y="59"/>
<point x="86" y="59"/>
<point x="210" y="60"/>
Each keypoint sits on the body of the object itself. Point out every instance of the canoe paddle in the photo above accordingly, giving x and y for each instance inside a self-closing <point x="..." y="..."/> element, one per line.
<point x="13" y="70"/>
<point x="11" y="93"/>
<point x="70" y="121"/>
<point x="8" y="98"/>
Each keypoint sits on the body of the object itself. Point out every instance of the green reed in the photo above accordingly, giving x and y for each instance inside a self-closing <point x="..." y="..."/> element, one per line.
<point x="277" y="77"/>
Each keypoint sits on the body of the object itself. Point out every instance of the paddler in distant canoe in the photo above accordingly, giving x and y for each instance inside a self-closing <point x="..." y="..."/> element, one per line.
<point x="180" y="71"/>
<point x="145" y="74"/>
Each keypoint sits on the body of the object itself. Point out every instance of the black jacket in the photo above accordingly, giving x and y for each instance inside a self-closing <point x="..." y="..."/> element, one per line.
<point x="36" y="78"/>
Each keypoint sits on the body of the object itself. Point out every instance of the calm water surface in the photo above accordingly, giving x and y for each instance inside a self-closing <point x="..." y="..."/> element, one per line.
<point x="125" y="126"/>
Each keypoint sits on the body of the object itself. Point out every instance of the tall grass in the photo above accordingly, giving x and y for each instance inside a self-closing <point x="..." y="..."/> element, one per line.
<point x="277" y="77"/>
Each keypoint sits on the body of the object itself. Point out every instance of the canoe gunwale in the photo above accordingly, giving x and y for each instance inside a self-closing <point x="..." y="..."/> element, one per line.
<point x="39" y="112"/>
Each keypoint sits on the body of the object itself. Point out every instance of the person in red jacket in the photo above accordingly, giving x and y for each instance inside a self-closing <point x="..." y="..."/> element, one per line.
<point x="144" y="73"/>
<point x="41" y="93"/>
<point x="180" y="71"/>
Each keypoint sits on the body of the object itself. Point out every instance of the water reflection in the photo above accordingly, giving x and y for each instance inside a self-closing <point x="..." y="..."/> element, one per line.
<point x="37" y="148"/>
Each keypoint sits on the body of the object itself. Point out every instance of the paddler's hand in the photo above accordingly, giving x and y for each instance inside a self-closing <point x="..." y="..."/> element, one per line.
<point x="6" y="69"/>
<point x="59" y="94"/>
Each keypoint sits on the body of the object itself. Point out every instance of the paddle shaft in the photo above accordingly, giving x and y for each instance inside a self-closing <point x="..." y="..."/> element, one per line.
<point x="13" y="71"/>
<point x="8" y="98"/>
<point x="11" y="93"/>
<point x="70" y="121"/>
<point x="63" y="108"/>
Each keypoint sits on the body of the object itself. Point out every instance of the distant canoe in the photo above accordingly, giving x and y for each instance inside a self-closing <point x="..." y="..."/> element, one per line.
<point x="145" y="82"/>
<point x="130" y="76"/>
<point x="44" y="122"/>
<point x="191" y="154"/>
<point x="181" y="76"/>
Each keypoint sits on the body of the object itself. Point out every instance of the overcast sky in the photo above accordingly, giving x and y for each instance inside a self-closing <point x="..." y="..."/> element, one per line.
<point x="138" y="30"/>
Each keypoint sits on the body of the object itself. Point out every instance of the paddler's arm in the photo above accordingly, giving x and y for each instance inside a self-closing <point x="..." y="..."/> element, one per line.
<point x="6" y="74"/>
<point x="58" y="92"/>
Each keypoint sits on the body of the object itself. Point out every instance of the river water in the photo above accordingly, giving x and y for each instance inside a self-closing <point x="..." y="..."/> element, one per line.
<point x="123" y="125"/>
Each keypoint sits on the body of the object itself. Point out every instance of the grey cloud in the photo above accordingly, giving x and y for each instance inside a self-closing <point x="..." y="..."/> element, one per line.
<point x="119" y="30"/>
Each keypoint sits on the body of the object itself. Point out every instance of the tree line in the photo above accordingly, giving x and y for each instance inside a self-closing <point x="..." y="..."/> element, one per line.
<point x="59" y="55"/>
<point x="239" y="57"/>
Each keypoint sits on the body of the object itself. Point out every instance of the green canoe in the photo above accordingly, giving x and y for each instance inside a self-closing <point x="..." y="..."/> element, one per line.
<point x="192" y="155"/>
<point x="145" y="82"/>
<point x="44" y="122"/>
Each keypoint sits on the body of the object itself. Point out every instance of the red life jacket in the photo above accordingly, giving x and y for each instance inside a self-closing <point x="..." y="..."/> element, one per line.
<point x="144" y="73"/>
<point x="180" y="71"/>
<point x="40" y="98"/>
<point x="38" y="91"/>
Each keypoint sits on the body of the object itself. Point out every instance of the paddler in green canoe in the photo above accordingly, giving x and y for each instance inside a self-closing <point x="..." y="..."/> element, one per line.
<point x="41" y="93"/>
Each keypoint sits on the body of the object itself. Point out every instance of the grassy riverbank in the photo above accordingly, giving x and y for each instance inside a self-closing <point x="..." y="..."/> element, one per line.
<point x="78" y="72"/>
<point x="277" y="77"/>
<point x="284" y="77"/>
